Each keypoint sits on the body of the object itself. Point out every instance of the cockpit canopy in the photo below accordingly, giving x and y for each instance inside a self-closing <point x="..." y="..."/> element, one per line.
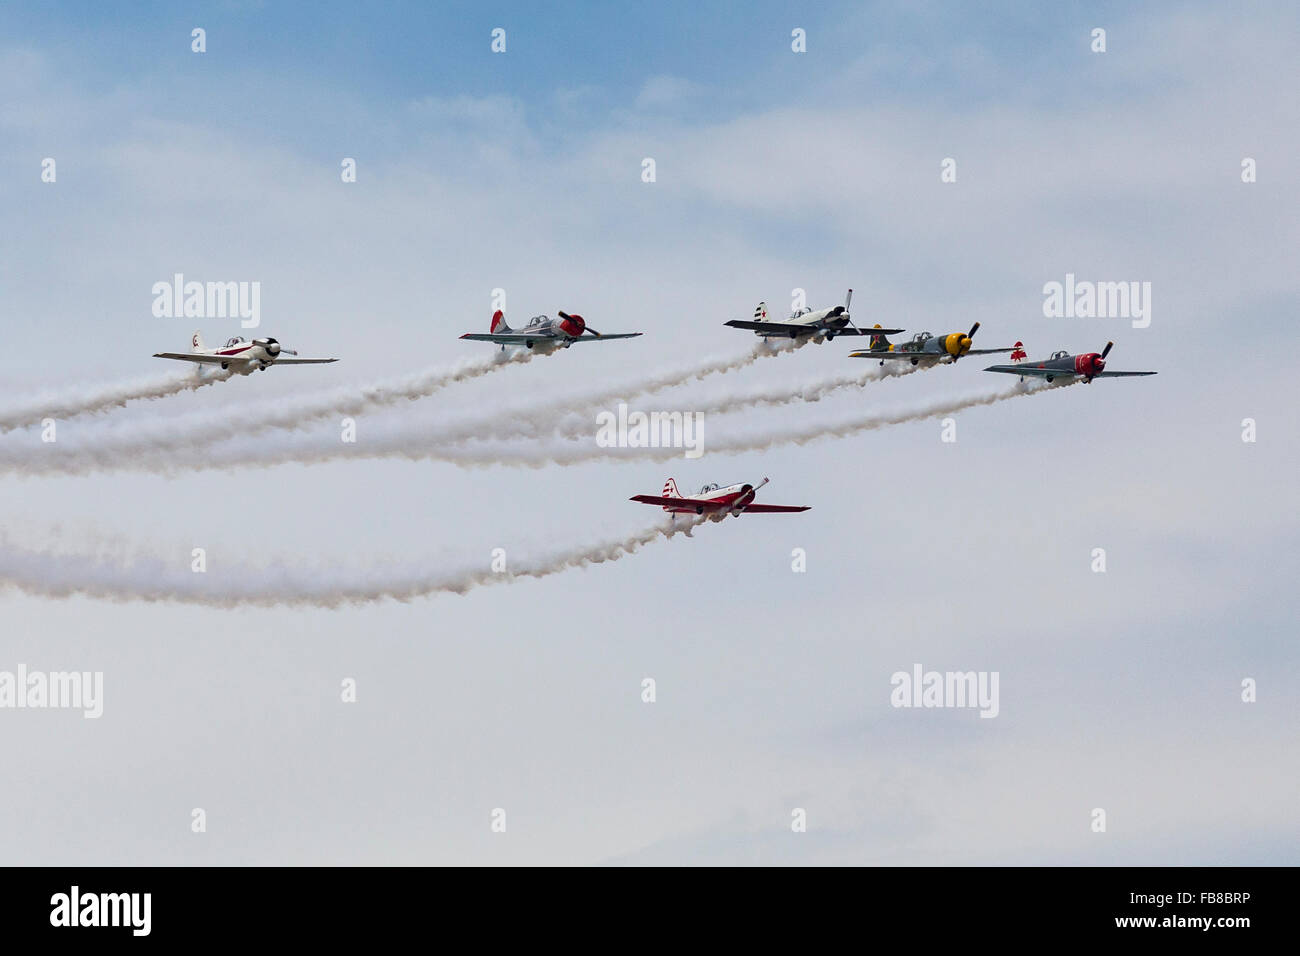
<point x="798" y="312"/>
<point x="922" y="336"/>
<point x="236" y="340"/>
<point x="1062" y="353"/>
<point x="538" y="320"/>
<point x="711" y="486"/>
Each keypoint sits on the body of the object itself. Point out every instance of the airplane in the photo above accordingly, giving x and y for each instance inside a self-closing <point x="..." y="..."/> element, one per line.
<point x="1062" y="364"/>
<point x="244" y="357"/>
<point x="822" y="322"/>
<point x="542" y="330"/>
<point x="715" y="501"/>
<point x="924" y="347"/>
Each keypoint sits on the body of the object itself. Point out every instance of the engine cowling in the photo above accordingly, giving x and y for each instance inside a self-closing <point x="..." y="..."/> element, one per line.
<point x="1089" y="364"/>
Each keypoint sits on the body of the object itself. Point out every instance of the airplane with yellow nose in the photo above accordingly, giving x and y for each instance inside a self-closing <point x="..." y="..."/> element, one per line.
<point x="925" y="347"/>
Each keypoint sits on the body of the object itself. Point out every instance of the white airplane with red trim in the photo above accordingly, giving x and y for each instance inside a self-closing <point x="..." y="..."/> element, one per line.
<point x="715" y="501"/>
<point x="242" y="356"/>
<point x="543" y="331"/>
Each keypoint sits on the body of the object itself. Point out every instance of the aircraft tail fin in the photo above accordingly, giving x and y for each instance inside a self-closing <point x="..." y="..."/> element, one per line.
<point x="760" y="312"/>
<point x="196" y="342"/>
<point x="879" y="343"/>
<point x="499" y="322"/>
<point x="1018" y="354"/>
<point x="670" y="489"/>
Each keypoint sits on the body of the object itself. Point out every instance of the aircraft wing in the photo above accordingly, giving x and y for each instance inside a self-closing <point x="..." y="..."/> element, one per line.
<point x="899" y="355"/>
<point x="774" y="509"/>
<point x="519" y="338"/>
<point x="196" y="357"/>
<point x="1120" y="374"/>
<point x="785" y="328"/>
<point x="303" y="361"/>
<point x="1029" y="370"/>
<point x="674" y="502"/>
<point x="1010" y="348"/>
<point x="508" y="338"/>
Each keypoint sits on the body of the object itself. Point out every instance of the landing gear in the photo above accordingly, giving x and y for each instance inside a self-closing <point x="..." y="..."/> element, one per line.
<point x="528" y="343"/>
<point x="830" y="336"/>
<point x="225" y="366"/>
<point x="794" y="335"/>
<point x="699" y="511"/>
<point x="1049" y="378"/>
<point x="914" y="362"/>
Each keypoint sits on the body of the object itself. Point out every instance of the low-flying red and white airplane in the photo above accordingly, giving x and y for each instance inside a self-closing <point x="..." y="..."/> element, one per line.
<point x="542" y="330"/>
<point x="715" y="501"/>
<point x="244" y="357"/>
<point x="1062" y="364"/>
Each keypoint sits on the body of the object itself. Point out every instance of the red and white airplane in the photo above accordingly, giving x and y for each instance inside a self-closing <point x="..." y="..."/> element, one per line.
<point x="244" y="357"/>
<point x="1062" y="364"/>
<point x="541" y="330"/>
<point x="714" y="501"/>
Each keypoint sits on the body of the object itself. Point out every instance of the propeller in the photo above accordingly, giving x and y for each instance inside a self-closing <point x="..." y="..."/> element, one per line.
<point x="1099" y="361"/>
<point x="582" y="323"/>
<point x="847" y="317"/>
<point x="751" y="491"/>
<point x="966" y="340"/>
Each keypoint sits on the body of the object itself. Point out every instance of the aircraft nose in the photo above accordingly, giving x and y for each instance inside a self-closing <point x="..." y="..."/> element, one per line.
<point x="965" y="342"/>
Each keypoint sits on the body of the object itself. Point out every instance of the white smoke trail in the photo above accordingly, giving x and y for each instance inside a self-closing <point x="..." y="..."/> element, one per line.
<point x="57" y="573"/>
<point x="309" y="450"/>
<point x="579" y="422"/>
<point x="202" y="429"/>
<point x="193" y="432"/>
<point x="522" y="422"/>
<point x="166" y="453"/>
<point x="134" y="445"/>
<point x="68" y="404"/>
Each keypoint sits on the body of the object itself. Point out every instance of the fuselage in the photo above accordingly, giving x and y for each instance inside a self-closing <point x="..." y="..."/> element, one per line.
<point x="832" y="320"/>
<point x="925" y="345"/>
<point x="569" y="327"/>
<point x="715" y="498"/>
<point x="1085" y="365"/>
<point x="246" y="357"/>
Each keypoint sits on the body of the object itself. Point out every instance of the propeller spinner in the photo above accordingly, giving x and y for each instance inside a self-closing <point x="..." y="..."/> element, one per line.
<point x="580" y="321"/>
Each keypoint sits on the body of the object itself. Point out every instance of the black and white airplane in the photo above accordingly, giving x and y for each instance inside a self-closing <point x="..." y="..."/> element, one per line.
<point x="823" y="323"/>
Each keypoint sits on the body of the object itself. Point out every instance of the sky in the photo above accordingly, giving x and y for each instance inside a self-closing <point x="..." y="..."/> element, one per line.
<point x="522" y="171"/>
